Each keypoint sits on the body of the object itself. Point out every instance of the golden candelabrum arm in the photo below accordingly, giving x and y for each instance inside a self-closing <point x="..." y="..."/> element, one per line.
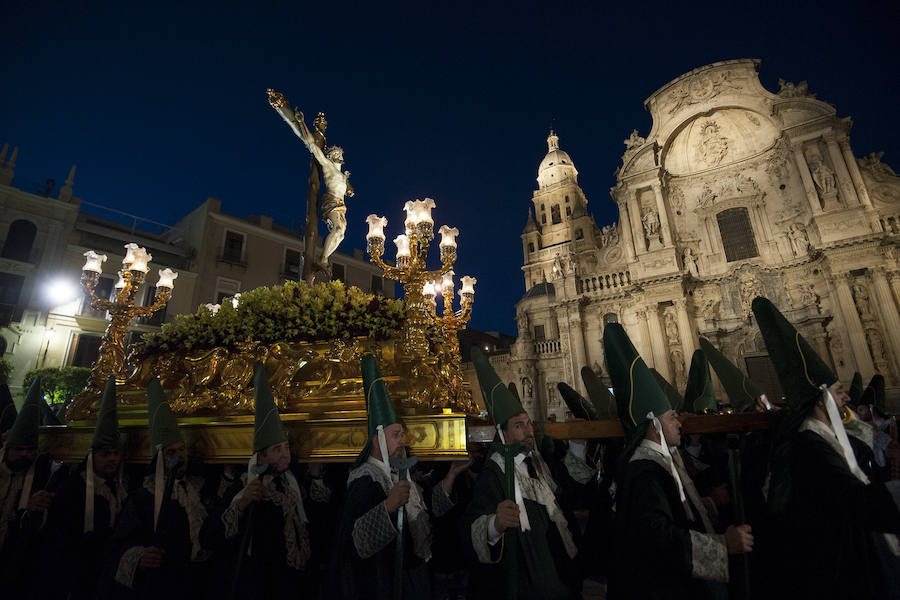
<point x="389" y="271"/>
<point x="162" y="297"/>
<point x="89" y="281"/>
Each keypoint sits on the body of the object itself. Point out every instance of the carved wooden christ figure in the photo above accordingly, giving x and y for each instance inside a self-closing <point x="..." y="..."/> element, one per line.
<point x="337" y="185"/>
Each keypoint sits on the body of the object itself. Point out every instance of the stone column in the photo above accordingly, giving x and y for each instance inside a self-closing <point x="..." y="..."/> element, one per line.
<point x="854" y="326"/>
<point x="637" y="228"/>
<point x="894" y="279"/>
<point x="643" y="344"/>
<point x="663" y="215"/>
<point x="576" y="335"/>
<point x="625" y="228"/>
<point x="808" y="184"/>
<point x="658" y="342"/>
<point x="890" y="319"/>
<point x="861" y="192"/>
<point x="685" y="331"/>
<point x="843" y="175"/>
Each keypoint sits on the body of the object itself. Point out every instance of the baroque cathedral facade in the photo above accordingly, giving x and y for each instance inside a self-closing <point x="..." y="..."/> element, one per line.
<point x="735" y="192"/>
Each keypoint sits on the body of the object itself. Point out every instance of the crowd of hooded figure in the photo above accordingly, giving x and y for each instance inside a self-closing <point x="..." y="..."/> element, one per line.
<point x="807" y="507"/>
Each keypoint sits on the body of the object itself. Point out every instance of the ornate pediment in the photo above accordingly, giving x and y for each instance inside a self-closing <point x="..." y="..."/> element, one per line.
<point x="639" y="161"/>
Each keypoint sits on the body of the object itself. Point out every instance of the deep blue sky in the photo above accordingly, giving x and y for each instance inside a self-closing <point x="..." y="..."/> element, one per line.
<point x="163" y="106"/>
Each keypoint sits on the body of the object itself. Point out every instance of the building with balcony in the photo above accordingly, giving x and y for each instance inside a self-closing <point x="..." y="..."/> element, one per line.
<point x="735" y="192"/>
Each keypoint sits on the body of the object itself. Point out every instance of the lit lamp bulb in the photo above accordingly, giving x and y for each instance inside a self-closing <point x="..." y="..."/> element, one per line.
<point x="235" y="300"/>
<point x="402" y="242"/>
<point x="137" y="258"/>
<point x="412" y="215"/>
<point x="94" y="262"/>
<point x="167" y="278"/>
<point x="429" y="292"/>
<point x="130" y="250"/>
<point x="376" y="227"/>
<point x="448" y="236"/>
<point x="213" y="308"/>
<point x="468" y="287"/>
<point x="423" y="208"/>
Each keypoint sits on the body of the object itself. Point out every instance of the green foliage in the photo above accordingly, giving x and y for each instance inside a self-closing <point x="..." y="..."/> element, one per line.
<point x="59" y="386"/>
<point x="6" y="369"/>
<point x="291" y="312"/>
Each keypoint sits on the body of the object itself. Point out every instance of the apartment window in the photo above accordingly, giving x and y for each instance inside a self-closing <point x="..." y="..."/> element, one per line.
<point x="19" y="240"/>
<point x="737" y="234"/>
<point x="10" y="290"/>
<point x="555" y="215"/>
<point x="233" y="250"/>
<point x="377" y="285"/>
<point x="226" y="288"/>
<point x="338" y="273"/>
<point x="539" y="333"/>
<point x="293" y="264"/>
<point x="87" y="350"/>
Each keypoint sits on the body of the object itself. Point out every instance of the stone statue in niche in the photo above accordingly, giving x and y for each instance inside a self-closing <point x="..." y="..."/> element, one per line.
<point x="823" y="176"/>
<point x="712" y="146"/>
<point x="559" y="268"/>
<point x="861" y="295"/>
<point x="671" y="328"/>
<point x="690" y="262"/>
<point x="651" y="224"/>
<point x="522" y="322"/>
<point x="789" y="90"/>
<point x="678" y="367"/>
<point x="876" y="345"/>
<point x="750" y="287"/>
<point x="799" y="239"/>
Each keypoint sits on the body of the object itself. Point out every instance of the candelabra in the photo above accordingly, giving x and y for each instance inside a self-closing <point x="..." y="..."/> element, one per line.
<point x="121" y="311"/>
<point x="450" y="322"/>
<point x="411" y="271"/>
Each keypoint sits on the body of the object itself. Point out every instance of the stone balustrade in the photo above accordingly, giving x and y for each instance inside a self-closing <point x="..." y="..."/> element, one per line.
<point x="547" y="347"/>
<point x="891" y="223"/>
<point x="603" y="282"/>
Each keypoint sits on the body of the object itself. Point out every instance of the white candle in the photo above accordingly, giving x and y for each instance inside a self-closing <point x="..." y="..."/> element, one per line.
<point x="448" y="236"/>
<point x="94" y="262"/>
<point x="167" y="278"/>
<point x="402" y="246"/>
<point x="376" y="226"/>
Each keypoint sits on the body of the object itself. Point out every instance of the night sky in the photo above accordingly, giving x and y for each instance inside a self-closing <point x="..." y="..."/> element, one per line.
<point x="162" y="107"/>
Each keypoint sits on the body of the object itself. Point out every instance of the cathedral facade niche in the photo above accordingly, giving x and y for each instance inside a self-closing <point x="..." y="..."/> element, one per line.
<point x="736" y="191"/>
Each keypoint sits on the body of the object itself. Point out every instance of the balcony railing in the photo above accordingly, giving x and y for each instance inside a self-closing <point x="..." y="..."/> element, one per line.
<point x="547" y="347"/>
<point x="604" y="282"/>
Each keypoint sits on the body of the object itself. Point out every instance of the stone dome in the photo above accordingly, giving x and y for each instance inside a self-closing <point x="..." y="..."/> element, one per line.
<point x="557" y="165"/>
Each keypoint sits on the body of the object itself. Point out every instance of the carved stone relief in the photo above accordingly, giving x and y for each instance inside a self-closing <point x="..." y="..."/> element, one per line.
<point x="750" y="287"/>
<point x="674" y="343"/>
<point x="712" y="147"/>
<point x="799" y="240"/>
<point x="789" y="90"/>
<point x="861" y="296"/>
<point x="701" y="87"/>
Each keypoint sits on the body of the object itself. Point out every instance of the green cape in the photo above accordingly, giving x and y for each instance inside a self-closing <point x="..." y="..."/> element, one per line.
<point x="855" y="391"/>
<point x="163" y="426"/>
<point x="699" y="395"/>
<point x="267" y="428"/>
<point x="603" y="401"/>
<point x="874" y="394"/>
<point x="379" y="408"/>
<point x="106" y="432"/>
<point x="24" y="431"/>
<point x="675" y="399"/>
<point x="636" y="391"/>
<point x="800" y="370"/>
<point x="8" y="410"/>
<point x="500" y="403"/>
<point x="580" y="407"/>
<point x="742" y="392"/>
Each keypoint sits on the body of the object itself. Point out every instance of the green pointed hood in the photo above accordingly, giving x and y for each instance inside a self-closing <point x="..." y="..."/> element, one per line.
<point x="675" y="399"/>
<point x="514" y="390"/>
<point x="699" y="395"/>
<point x="855" y="391"/>
<point x="874" y="394"/>
<point x="379" y="407"/>
<point x="500" y="403"/>
<point x="636" y="390"/>
<point x="599" y="395"/>
<point x="24" y="432"/>
<point x="267" y="428"/>
<point x="106" y="432"/>
<point x="800" y="369"/>
<point x="742" y="393"/>
<point x="580" y="407"/>
<point x="163" y="426"/>
<point x="8" y="410"/>
<point x="48" y="417"/>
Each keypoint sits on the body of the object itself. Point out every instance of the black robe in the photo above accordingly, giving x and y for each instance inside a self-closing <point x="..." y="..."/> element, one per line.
<point x="179" y="577"/>
<point x="827" y="546"/>
<point x="78" y="555"/>
<point x="372" y="577"/>
<point x="543" y="568"/>
<point x="660" y="547"/>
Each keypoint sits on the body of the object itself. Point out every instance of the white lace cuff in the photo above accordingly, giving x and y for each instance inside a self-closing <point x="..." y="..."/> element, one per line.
<point x="373" y="531"/>
<point x="128" y="564"/>
<point x="709" y="557"/>
<point x="483" y="532"/>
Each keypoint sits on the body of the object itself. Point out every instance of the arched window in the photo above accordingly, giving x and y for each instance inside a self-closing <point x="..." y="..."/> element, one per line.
<point x="579" y="234"/>
<point x="568" y="211"/>
<point x="554" y="214"/>
<point x="737" y="234"/>
<point x="544" y="219"/>
<point x="530" y="246"/>
<point x="19" y="240"/>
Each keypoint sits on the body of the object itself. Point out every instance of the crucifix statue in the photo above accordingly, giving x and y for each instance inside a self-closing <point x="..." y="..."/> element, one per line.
<point x="326" y="161"/>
